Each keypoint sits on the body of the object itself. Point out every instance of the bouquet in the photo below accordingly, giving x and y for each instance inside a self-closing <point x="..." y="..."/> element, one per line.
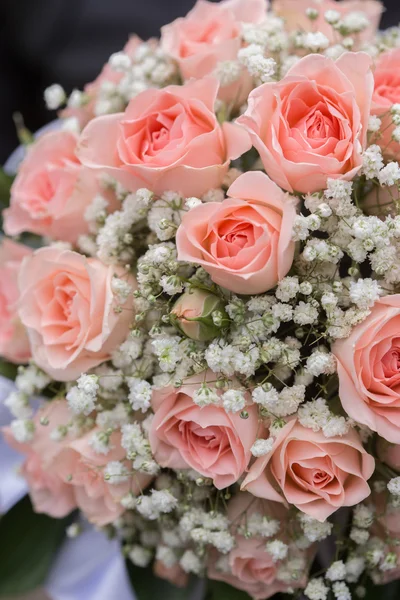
<point x="209" y="326"/>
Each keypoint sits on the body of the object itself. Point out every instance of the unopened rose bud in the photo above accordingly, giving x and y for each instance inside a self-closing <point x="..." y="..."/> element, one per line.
<point x="194" y="312"/>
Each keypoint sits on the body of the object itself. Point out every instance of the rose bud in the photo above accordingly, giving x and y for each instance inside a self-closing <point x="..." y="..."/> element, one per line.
<point x="199" y="314"/>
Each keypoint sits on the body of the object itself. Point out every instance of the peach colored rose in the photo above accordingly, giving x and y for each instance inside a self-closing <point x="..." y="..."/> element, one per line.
<point x="315" y="473"/>
<point x="52" y="190"/>
<point x="193" y="312"/>
<point x="92" y="90"/>
<point x="175" y="574"/>
<point x="386" y="93"/>
<point x="210" y="34"/>
<point x="249" y="567"/>
<point x="244" y="242"/>
<point x="368" y="369"/>
<point x="389" y="453"/>
<point x="83" y="469"/>
<point x="166" y="139"/>
<point x="294" y="13"/>
<point x="208" y="439"/>
<point x="68" y="308"/>
<point x="48" y="492"/>
<point x="312" y="125"/>
<point x="14" y="343"/>
<point x="380" y="201"/>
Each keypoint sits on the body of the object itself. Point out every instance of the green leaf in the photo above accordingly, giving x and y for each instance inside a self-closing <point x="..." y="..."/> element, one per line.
<point x="29" y="542"/>
<point x="149" y="587"/>
<point x="390" y="591"/>
<point x="219" y="590"/>
<point x="8" y="370"/>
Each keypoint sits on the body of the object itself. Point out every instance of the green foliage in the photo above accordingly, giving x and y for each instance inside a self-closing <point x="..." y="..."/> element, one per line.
<point x="29" y="542"/>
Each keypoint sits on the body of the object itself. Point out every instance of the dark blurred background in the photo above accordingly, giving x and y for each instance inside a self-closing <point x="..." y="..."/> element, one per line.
<point x="67" y="42"/>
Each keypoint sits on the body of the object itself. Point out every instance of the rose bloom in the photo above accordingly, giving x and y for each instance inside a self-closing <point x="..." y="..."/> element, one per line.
<point x="312" y="125"/>
<point x="389" y="453"/>
<point x="166" y="139"/>
<point x="175" y="574"/>
<point x="83" y="470"/>
<point x="106" y="77"/>
<point x="368" y="369"/>
<point x="14" y="343"/>
<point x="386" y="93"/>
<point x="248" y="566"/>
<point x="316" y="474"/>
<point x="208" y="439"/>
<point x="245" y="242"/>
<point x="211" y="34"/>
<point x="52" y="190"/>
<point x="70" y="312"/>
<point x="48" y="492"/>
<point x="192" y="314"/>
<point x="294" y="13"/>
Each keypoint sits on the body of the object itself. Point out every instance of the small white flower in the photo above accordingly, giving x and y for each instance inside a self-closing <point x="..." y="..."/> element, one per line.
<point x="337" y="571"/>
<point x="23" y="430"/>
<point x="119" y="61"/>
<point x="277" y="549"/>
<point x="262" y="447"/>
<point x="316" y="589"/>
<point x="389" y="175"/>
<point x="359" y="536"/>
<point x="163" y="501"/>
<point x="374" y="124"/>
<point x="365" y="292"/>
<point x="233" y="401"/>
<point x="205" y="395"/>
<point x="363" y="516"/>
<point x="190" y="562"/>
<point x="140" y="556"/>
<point x="341" y="591"/>
<point x="115" y="472"/>
<point x="54" y="96"/>
<point x="18" y="405"/>
<point x="394" y="486"/>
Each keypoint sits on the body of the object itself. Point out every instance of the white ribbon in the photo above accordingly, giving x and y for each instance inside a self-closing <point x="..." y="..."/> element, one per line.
<point x="88" y="567"/>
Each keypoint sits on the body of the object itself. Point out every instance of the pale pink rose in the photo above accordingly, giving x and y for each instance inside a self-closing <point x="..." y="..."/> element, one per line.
<point x="208" y="439"/>
<point x="316" y="474"/>
<point x="48" y="492"/>
<point x="52" y="190"/>
<point x="83" y="469"/>
<point x="175" y="574"/>
<point x="193" y="312"/>
<point x="381" y="201"/>
<point x="244" y="242"/>
<point x="368" y="369"/>
<point x="387" y="93"/>
<point x="166" y="139"/>
<point x="70" y="312"/>
<point x="87" y="111"/>
<point x="211" y="34"/>
<point x="249" y="567"/>
<point x="312" y="125"/>
<point x="294" y="13"/>
<point x="14" y="343"/>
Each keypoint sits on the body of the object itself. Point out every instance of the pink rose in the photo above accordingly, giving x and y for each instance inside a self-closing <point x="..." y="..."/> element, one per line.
<point x="381" y="201"/>
<point x="92" y="90"/>
<point x="14" y="343"/>
<point x="387" y="93"/>
<point x="83" y="469"/>
<point x="175" y="574"/>
<point x="244" y="242"/>
<point x="166" y="139"/>
<point x="52" y="190"/>
<point x="70" y="312"/>
<point x="368" y="369"/>
<point x="316" y="474"/>
<point x="208" y="439"/>
<point x="312" y="125"/>
<point x="389" y="453"/>
<point x="48" y="492"/>
<point x="210" y="34"/>
<point x="294" y="13"/>
<point x="249" y="567"/>
<point x="193" y="312"/>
